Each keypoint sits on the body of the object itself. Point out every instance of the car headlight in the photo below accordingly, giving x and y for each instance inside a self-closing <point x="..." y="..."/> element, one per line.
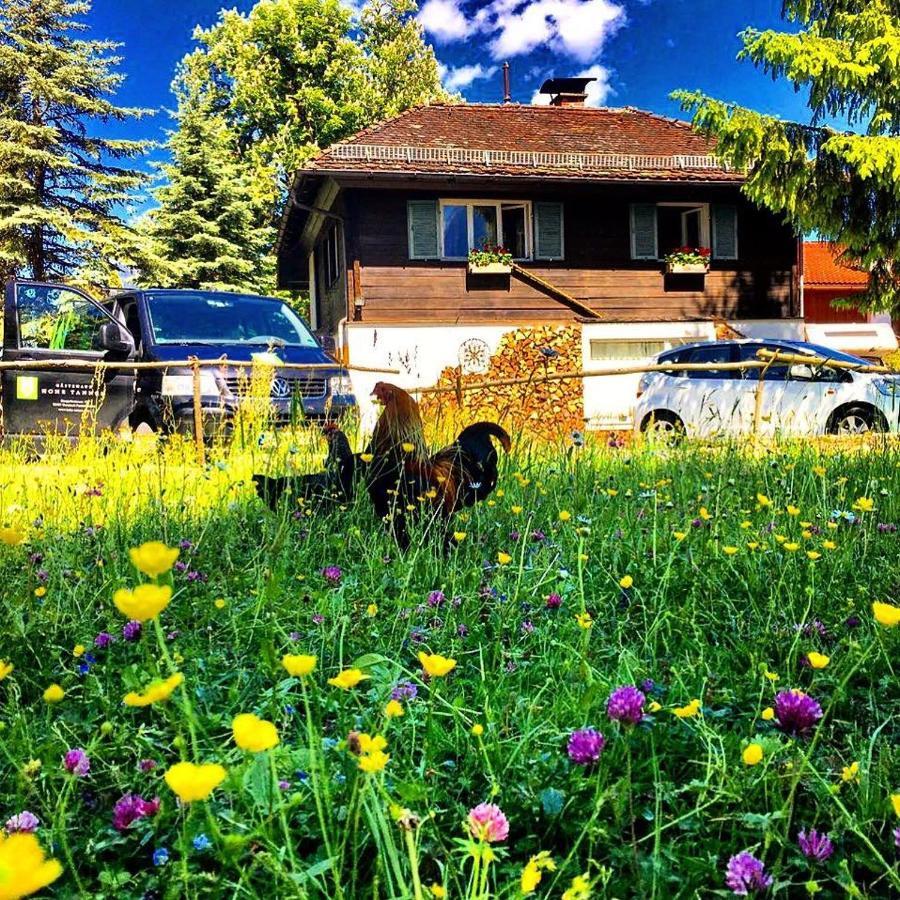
<point x="889" y="387"/>
<point x="340" y="385"/>
<point x="183" y="385"/>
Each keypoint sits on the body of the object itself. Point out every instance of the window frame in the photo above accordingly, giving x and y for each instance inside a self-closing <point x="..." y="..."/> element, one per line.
<point x="705" y="222"/>
<point x="470" y="204"/>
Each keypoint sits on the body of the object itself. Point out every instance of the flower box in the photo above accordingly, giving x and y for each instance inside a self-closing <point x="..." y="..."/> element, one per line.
<point x="494" y="268"/>
<point x="680" y="268"/>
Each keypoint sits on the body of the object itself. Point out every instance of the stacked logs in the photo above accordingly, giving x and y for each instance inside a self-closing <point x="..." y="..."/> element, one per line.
<point x="549" y="410"/>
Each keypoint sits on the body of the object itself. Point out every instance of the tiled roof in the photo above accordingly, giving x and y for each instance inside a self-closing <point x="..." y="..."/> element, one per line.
<point x="821" y="267"/>
<point x="525" y="141"/>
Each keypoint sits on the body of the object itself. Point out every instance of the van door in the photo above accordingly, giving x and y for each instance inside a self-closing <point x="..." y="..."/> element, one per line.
<point x="51" y="322"/>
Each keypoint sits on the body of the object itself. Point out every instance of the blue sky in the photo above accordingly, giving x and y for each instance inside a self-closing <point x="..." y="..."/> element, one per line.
<point x="640" y="49"/>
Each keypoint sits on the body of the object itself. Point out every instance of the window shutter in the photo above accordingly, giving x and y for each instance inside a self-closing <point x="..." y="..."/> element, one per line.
<point x="548" y="230"/>
<point x="724" y="232"/>
<point x="423" y="229"/>
<point x="644" y="244"/>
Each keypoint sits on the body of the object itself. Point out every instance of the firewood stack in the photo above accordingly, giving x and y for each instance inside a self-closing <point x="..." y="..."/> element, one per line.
<point x="549" y="410"/>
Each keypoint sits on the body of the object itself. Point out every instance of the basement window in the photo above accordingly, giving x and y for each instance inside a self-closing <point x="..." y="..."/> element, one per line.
<point x="633" y="349"/>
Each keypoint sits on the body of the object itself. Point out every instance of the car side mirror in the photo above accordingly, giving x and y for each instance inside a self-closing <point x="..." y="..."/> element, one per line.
<point x="328" y="344"/>
<point x="116" y="340"/>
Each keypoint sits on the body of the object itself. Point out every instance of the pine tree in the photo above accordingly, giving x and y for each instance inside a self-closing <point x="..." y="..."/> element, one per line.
<point x="62" y="189"/>
<point x="843" y="184"/>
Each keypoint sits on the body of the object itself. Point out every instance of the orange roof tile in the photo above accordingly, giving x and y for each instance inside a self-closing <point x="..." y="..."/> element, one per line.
<point x="821" y="268"/>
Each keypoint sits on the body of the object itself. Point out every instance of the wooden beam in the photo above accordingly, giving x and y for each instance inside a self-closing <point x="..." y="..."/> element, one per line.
<point x="556" y="292"/>
<point x="325" y="197"/>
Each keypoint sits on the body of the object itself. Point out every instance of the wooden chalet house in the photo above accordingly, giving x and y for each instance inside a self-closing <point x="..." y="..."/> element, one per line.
<point x="589" y="202"/>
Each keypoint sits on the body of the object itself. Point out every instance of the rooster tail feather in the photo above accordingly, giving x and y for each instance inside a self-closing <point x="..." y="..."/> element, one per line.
<point x="481" y="429"/>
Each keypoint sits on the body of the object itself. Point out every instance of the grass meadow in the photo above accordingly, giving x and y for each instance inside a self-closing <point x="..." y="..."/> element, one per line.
<point x="731" y="588"/>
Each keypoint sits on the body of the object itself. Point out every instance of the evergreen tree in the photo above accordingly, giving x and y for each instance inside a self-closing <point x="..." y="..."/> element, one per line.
<point x="843" y="184"/>
<point x="62" y="189"/>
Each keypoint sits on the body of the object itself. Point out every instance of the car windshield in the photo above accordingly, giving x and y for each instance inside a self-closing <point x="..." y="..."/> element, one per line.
<point x="201" y="317"/>
<point x="830" y="353"/>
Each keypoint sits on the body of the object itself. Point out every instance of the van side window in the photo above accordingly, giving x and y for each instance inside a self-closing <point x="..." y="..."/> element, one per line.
<point x="55" y="318"/>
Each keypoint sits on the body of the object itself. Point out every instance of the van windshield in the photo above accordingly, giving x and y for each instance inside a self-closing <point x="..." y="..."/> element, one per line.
<point x="205" y="317"/>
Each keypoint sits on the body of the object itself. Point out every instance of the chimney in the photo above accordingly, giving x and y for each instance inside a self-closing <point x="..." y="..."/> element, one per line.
<point x="507" y="97"/>
<point x="566" y="91"/>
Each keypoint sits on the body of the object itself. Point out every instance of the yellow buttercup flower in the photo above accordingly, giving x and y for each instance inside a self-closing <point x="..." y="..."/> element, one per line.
<point x="533" y="871"/>
<point x="752" y="545"/>
<point x="300" y="665"/>
<point x="729" y="551"/>
<point x="459" y="536"/>
<point x="564" y="515"/>
<point x="153" y="558"/>
<point x="752" y="755"/>
<point x="372" y="610"/>
<point x="864" y="504"/>
<point x="192" y="782"/>
<point x="819" y="470"/>
<point x="772" y="676"/>
<point x="850" y="773"/>
<point x="579" y="889"/>
<point x="478" y="729"/>
<point x="348" y="679"/>
<point x="145" y="602"/>
<point x="584" y="620"/>
<point x="435" y="665"/>
<point x="829" y="545"/>
<point x="625" y="582"/>
<point x="768" y="714"/>
<point x="895" y="802"/>
<point x="54" y="694"/>
<point x="818" y="660"/>
<point x="793" y="510"/>
<point x="40" y="591"/>
<point x="746" y="524"/>
<point x="157" y="692"/>
<point x="654" y="706"/>
<point x="813" y="555"/>
<point x="791" y="546"/>
<point x="78" y="651"/>
<point x="763" y="501"/>
<point x="688" y="712"/>
<point x="393" y="709"/>
<point x="219" y="603"/>
<point x="886" y="614"/>
<point x="366" y="457"/>
<point x="373" y="762"/>
<point x="704" y="514"/>
<point x="515" y="510"/>
<point x="24" y="868"/>
<point x="679" y="535"/>
<point x="5" y="669"/>
<point x="504" y="558"/>
<point x="254" y="734"/>
<point x="438" y="891"/>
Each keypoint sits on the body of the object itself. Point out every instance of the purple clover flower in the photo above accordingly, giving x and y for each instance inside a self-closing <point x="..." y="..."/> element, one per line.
<point x="626" y="705"/>
<point x="436" y="598"/>
<point x="333" y="575"/>
<point x="318" y="618"/>
<point x="131" y="631"/>
<point x="554" y="601"/>
<point x="527" y="626"/>
<point x="795" y="712"/>
<point x="103" y="640"/>
<point x="462" y="629"/>
<point x="147" y="765"/>
<point x="538" y="536"/>
<point x="25" y="822"/>
<point x="647" y="685"/>
<point x="180" y="566"/>
<point x="131" y="807"/>
<point x="815" y="846"/>
<point x="897" y="838"/>
<point x="76" y="762"/>
<point x="585" y="746"/>
<point x="405" y="690"/>
<point x="746" y="874"/>
<point x="887" y="527"/>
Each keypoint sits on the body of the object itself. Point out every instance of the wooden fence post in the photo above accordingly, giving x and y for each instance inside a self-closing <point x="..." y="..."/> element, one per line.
<point x="198" y="412"/>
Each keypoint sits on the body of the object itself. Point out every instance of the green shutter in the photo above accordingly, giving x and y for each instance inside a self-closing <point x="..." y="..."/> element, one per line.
<point x="548" y="230"/>
<point x="724" y="232"/>
<point x="644" y="243"/>
<point x="422" y="217"/>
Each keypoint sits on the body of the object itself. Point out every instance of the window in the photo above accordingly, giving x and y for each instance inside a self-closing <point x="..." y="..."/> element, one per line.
<point x="56" y="318"/>
<point x="331" y="256"/>
<point x="711" y="354"/>
<point x="632" y="349"/>
<point x="659" y="228"/>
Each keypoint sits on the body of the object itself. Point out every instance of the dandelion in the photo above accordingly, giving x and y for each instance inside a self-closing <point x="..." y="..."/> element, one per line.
<point x="299" y="665"/>
<point x="253" y="734"/>
<point x="156" y="692"/>
<point x="436" y="666"/>
<point x="746" y="874"/>
<point x="895" y="803"/>
<point x="25" y="822"/>
<point x="478" y="729"/>
<point x="796" y="712"/>
<point x="145" y="602"/>
<point x="584" y="620"/>
<point x="689" y="711"/>
<point x="626" y="705"/>
<point x="393" y="709"/>
<point x="793" y="510"/>
<point x="153" y="558"/>
<point x="459" y="536"/>
<point x="503" y="558"/>
<point x="752" y="755"/>
<point x="815" y="846"/>
<point x="6" y="669"/>
<point x="864" y="504"/>
<point x="813" y="555"/>
<point x="585" y="746"/>
<point x="487" y="823"/>
<point x="886" y="614"/>
<point x="24" y="867"/>
<point x="850" y="773"/>
<point x="191" y="782"/>
<point x="533" y="871"/>
<point x="626" y="582"/>
<point x="348" y="679"/>
<point x="77" y="762"/>
<point x="767" y="714"/>
<point x="438" y="891"/>
<point x="564" y="515"/>
<point x="679" y="535"/>
<point x="579" y="889"/>
<point x="130" y="808"/>
<point x="54" y="694"/>
<point x="372" y="610"/>
<point x="763" y="501"/>
<point x="730" y="550"/>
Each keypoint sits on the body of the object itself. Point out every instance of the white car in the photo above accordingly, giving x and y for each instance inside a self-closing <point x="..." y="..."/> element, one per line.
<point x="796" y="399"/>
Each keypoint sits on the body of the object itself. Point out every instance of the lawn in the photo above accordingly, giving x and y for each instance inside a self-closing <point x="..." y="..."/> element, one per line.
<point x="713" y="583"/>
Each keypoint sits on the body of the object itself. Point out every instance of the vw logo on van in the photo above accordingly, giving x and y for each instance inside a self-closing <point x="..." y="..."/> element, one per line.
<point x="281" y="389"/>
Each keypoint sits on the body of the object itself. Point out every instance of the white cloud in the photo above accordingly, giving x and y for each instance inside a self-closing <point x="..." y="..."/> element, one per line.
<point x="597" y="91"/>
<point x="455" y="79"/>
<point x="444" y="21"/>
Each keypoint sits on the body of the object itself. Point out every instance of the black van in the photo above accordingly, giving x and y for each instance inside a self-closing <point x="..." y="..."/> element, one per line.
<point x="60" y="324"/>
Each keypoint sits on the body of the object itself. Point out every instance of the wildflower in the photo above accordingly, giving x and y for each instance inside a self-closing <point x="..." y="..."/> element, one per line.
<point x="585" y="746"/>
<point x="153" y="558"/>
<point x="793" y="510"/>
<point x="103" y="640"/>
<point x="436" y="666"/>
<point x="791" y="546"/>
<point x="54" y="694"/>
<point x="864" y="504"/>
<point x="372" y="610"/>
<point x="625" y="582"/>
<point x="478" y="729"/>
<point x="404" y="690"/>
<point x="31" y="769"/>
<point x="333" y="574"/>
<point x="564" y="515"/>
<point x="145" y="602"/>
<point x="160" y="856"/>
<point x="77" y="762"/>
<point x="533" y="871"/>
<point x="771" y="676"/>
<point x="813" y="555"/>
<point x="815" y="846"/>
<point x="584" y="620"/>
<point x="745" y="873"/>
<point x="130" y="808"/>
<point x="156" y="692"/>
<point x="201" y="842"/>
<point x="679" y="535"/>
<point x="24" y="869"/>
<point x="796" y="712"/>
<point x="487" y="823"/>
<point x="459" y="536"/>
<point x="626" y="705"/>
<point x="886" y="614"/>
<point x="219" y="603"/>
<point x="348" y="679"/>
<point x="818" y="660"/>
<point x="763" y="501"/>
<point x="438" y="891"/>
<point x="253" y="734"/>
<point x="689" y="711"/>
<point x="40" y="591"/>
<point x="298" y="665"/>
<point x="554" y="601"/>
<point x="373" y="761"/>
<point x="729" y="550"/>
<point x="504" y="558"/>
<point x="366" y="457"/>
<point x="819" y="470"/>
<point x="393" y="709"/>
<point x="767" y="714"/>
<point x="192" y="782"/>
<point x="5" y="669"/>
<point x="436" y="599"/>
<point x="407" y="447"/>
<point x="850" y="773"/>
<point x="579" y="889"/>
<point x="752" y="755"/>
<point x="895" y="802"/>
<point x="131" y="631"/>
<point x="25" y="822"/>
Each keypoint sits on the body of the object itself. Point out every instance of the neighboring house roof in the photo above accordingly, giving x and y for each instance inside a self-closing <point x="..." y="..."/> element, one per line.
<point x="822" y="268"/>
<point x="528" y="141"/>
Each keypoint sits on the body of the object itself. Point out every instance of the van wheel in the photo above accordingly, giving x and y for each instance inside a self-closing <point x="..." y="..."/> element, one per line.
<point x="663" y="425"/>
<point x="856" y="420"/>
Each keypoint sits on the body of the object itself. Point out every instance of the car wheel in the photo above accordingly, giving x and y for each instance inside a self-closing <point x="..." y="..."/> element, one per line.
<point x="855" y="420"/>
<point x="663" y="425"/>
